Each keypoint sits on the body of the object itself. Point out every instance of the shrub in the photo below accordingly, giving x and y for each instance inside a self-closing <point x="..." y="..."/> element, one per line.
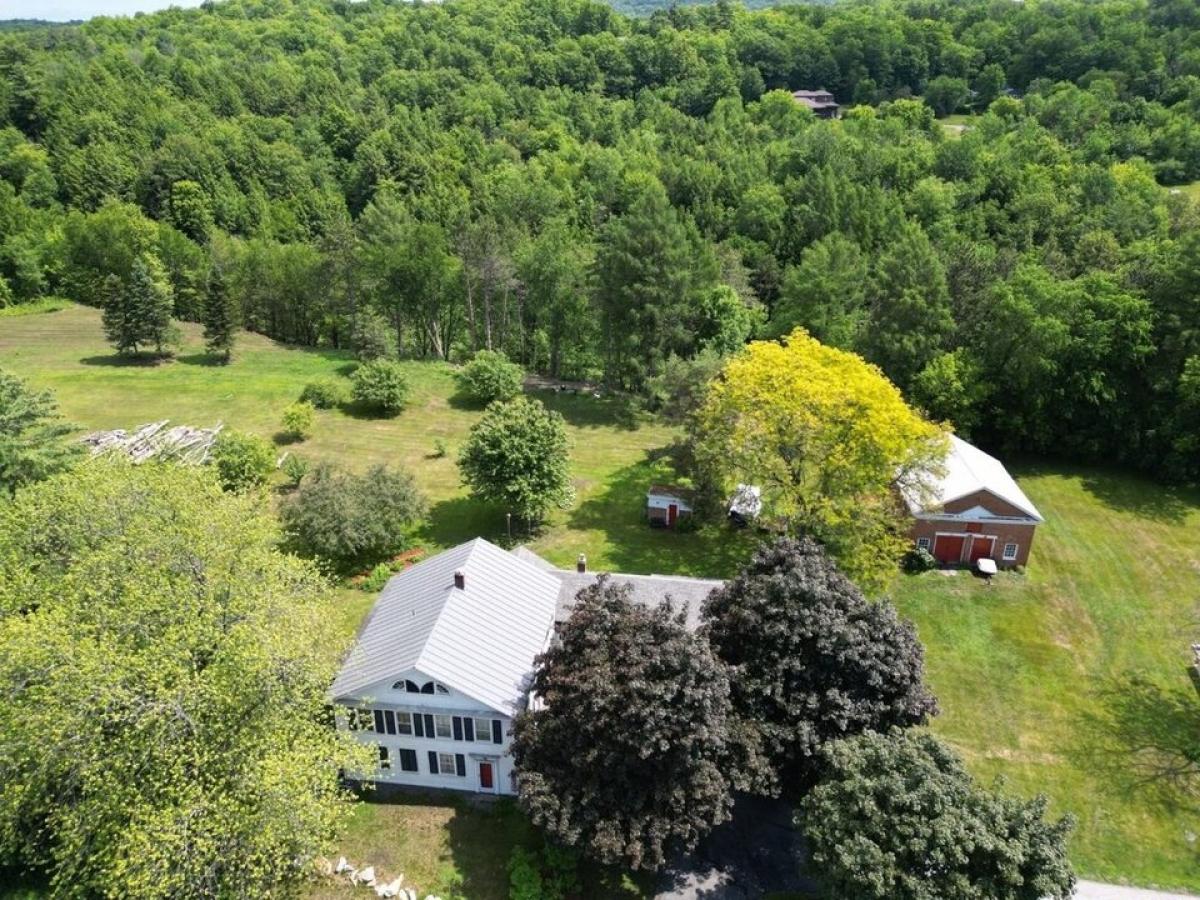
<point x="298" y="420"/>
<point x="524" y="878"/>
<point x="243" y="460"/>
<point x="326" y="394"/>
<point x="380" y="385"/>
<point x="918" y="560"/>
<point x="294" y="468"/>
<point x="491" y="376"/>
<point x="439" y="448"/>
<point x="353" y="520"/>
<point x="376" y="578"/>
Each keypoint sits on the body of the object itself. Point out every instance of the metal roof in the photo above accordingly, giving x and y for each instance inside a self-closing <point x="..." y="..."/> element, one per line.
<point x="969" y="469"/>
<point x="480" y="640"/>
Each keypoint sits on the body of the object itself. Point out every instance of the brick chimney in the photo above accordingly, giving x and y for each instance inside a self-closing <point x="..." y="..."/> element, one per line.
<point x="581" y="563"/>
<point x="460" y="579"/>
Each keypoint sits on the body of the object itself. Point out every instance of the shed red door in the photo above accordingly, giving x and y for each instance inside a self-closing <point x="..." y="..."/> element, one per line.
<point x="485" y="775"/>
<point x="672" y="514"/>
<point x="948" y="548"/>
<point x="981" y="547"/>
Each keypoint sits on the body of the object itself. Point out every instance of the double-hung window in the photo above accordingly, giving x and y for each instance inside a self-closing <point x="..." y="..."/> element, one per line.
<point x="1010" y="552"/>
<point x="483" y="730"/>
<point x="404" y="723"/>
<point x="385" y="761"/>
<point x="923" y="543"/>
<point x="446" y="764"/>
<point x="443" y="727"/>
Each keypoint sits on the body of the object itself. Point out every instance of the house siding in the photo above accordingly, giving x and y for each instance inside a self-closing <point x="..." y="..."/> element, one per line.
<point x="454" y="704"/>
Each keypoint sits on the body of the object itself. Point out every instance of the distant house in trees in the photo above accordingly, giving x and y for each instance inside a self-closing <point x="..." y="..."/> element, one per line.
<point x="821" y="102"/>
<point x="442" y="662"/>
<point x="667" y="504"/>
<point x="976" y="511"/>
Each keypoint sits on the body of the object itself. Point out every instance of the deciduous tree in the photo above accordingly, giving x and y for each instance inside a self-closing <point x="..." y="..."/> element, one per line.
<point x="811" y="660"/>
<point x="629" y="755"/>
<point x="827" y="438"/>
<point x="898" y="817"/>
<point x="516" y="455"/>
<point x="160" y="734"/>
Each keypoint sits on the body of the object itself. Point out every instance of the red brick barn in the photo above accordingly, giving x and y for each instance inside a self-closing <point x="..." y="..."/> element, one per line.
<point x="976" y="511"/>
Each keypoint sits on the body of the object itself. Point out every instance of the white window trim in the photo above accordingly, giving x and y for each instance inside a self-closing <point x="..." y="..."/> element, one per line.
<point x="923" y="543"/>
<point x="484" y="736"/>
<point x="437" y="727"/>
<point x="401" y="725"/>
<point x="1009" y="557"/>
<point x="441" y="758"/>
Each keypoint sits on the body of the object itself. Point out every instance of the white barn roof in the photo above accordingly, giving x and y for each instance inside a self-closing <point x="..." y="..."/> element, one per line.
<point x="480" y="640"/>
<point x="968" y="470"/>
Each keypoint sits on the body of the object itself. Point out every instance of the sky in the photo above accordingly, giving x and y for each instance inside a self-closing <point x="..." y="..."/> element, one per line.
<point x="66" y="10"/>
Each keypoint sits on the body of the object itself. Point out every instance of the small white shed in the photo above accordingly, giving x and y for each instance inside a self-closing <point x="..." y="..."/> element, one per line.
<point x="667" y="504"/>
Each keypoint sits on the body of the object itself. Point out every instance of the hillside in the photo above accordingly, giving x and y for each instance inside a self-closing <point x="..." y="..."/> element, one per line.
<point x="1034" y="673"/>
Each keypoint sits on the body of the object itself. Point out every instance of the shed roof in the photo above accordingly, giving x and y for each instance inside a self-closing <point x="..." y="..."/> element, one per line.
<point x="670" y="490"/>
<point x="969" y="470"/>
<point x="480" y="640"/>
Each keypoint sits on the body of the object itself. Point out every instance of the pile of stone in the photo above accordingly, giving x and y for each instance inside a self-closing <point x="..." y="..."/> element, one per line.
<point x="365" y="876"/>
<point x="155" y="440"/>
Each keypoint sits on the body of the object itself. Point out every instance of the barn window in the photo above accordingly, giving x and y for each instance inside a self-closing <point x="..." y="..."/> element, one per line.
<point x="922" y="543"/>
<point x="1010" y="551"/>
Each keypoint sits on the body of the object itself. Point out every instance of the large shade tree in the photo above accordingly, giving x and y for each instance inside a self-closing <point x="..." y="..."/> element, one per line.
<point x="811" y="659"/>
<point x="629" y="753"/>
<point x="898" y="817"/>
<point x="161" y="735"/>
<point x="828" y="438"/>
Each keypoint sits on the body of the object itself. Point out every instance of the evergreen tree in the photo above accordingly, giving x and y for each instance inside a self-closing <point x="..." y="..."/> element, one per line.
<point x="137" y="312"/>
<point x="32" y="445"/>
<point x="651" y="270"/>
<point x="220" y="317"/>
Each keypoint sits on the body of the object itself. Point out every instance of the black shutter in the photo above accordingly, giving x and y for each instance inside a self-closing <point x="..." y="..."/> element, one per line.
<point x="497" y="735"/>
<point x="408" y="760"/>
<point x="433" y="766"/>
<point x="457" y="721"/>
<point x="469" y="728"/>
<point x="378" y="721"/>
<point x="390" y="721"/>
<point x="429" y="732"/>
<point x="418" y="725"/>
<point x="460" y="764"/>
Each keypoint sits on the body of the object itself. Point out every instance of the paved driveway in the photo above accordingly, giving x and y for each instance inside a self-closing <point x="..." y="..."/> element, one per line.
<point x="1091" y="890"/>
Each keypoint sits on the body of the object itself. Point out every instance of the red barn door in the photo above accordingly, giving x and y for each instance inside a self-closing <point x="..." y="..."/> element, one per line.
<point x="948" y="548"/>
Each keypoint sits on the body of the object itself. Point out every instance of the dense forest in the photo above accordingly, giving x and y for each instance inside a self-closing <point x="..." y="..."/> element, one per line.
<point x="631" y="199"/>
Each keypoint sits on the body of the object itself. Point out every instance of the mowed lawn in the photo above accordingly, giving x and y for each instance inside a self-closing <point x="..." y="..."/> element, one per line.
<point x="613" y="458"/>
<point x="1033" y="672"/>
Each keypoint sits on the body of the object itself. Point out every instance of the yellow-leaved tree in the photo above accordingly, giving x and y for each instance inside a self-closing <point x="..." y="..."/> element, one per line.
<point x="830" y="442"/>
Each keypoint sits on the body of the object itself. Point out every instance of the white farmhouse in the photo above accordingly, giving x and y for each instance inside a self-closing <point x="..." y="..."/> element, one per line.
<point x="444" y="659"/>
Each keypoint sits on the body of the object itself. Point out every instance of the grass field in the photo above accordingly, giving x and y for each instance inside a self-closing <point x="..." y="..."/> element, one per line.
<point x="1035" y="674"/>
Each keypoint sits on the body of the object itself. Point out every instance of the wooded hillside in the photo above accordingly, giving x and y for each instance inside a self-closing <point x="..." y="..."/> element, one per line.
<point x="605" y="197"/>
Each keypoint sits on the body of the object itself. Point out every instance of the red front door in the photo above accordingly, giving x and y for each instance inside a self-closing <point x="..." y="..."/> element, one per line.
<point x="981" y="547"/>
<point x="948" y="548"/>
<point x="485" y="776"/>
<point x="672" y="514"/>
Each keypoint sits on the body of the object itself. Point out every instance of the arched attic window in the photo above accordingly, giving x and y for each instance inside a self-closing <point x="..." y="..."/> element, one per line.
<point x="404" y="684"/>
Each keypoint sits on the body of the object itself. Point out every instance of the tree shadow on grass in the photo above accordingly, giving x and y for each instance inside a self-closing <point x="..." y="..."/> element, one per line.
<point x="1145" y="737"/>
<point x="137" y="361"/>
<point x="713" y="550"/>
<point x="586" y="411"/>
<point x="461" y="519"/>
<point x="208" y="360"/>
<point x="1141" y="497"/>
